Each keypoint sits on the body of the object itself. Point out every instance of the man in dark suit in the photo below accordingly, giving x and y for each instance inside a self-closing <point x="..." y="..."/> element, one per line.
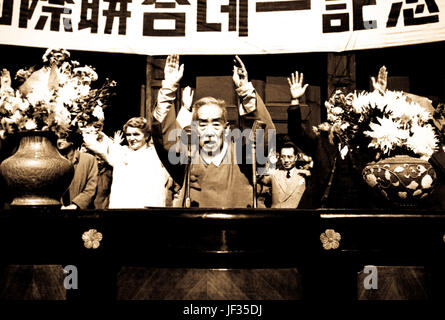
<point x="81" y="192"/>
<point x="335" y="182"/>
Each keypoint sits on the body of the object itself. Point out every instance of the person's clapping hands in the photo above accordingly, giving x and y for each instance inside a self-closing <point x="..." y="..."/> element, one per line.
<point x="173" y="72"/>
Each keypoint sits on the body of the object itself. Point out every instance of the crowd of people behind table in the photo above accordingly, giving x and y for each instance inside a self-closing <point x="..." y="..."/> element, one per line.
<point x="159" y="166"/>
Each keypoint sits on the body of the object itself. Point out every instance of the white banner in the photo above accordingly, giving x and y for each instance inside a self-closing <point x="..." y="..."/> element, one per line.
<point x="155" y="27"/>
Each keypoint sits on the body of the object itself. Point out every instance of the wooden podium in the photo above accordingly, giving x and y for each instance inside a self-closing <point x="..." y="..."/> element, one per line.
<point x="178" y="248"/>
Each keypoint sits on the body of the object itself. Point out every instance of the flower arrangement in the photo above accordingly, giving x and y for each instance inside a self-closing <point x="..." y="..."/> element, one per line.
<point x="377" y="125"/>
<point x="57" y="97"/>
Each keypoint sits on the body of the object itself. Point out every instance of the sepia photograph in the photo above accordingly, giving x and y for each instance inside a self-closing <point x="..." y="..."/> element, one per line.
<point x="222" y="158"/>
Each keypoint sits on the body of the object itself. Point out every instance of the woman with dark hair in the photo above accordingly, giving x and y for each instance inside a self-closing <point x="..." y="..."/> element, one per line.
<point x="139" y="179"/>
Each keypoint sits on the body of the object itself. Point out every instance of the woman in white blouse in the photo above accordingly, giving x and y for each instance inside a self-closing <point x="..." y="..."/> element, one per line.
<point x="139" y="178"/>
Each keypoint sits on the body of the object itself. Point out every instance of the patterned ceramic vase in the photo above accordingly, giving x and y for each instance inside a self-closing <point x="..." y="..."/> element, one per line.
<point x="403" y="180"/>
<point x="36" y="174"/>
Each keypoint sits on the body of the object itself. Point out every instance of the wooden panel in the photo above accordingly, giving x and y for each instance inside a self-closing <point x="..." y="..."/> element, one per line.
<point x="220" y="87"/>
<point x="32" y="282"/>
<point x="398" y="83"/>
<point x="158" y="64"/>
<point x="136" y="283"/>
<point x="395" y="283"/>
<point x="278" y="114"/>
<point x="277" y="91"/>
<point x="341" y="69"/>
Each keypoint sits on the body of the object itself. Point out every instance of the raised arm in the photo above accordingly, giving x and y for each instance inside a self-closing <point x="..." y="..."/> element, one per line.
<point x="165" y="129"/>
<point x="298" y="124"/>
<point x="382" y="80"/>
<point x="251" y="106"/>
<point x="297" y="89"/>
<point x="103" y="146"/>
<point x="173" y="73"/>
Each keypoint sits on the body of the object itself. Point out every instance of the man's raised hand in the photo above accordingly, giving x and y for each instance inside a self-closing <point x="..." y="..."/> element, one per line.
<point x="297" y="89"/>
<point x="172" y="71"/>
<point x="382" y="80"/>
<point x="187" y="98"/>
<point x="239" y="73"/>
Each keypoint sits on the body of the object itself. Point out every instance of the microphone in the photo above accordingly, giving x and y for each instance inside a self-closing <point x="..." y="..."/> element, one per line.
<point x="187" y="200"/>
<point x="257" y="125"/>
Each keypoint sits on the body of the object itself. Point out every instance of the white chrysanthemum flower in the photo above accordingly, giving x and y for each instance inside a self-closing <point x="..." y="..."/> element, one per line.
<point x="16" y="116"/>
<point x="360" y="102"/>
<point x="86" y="73"/>
<point x="22" y="104"/>
<point x="40" y="94"/>
<point x="84" y="90"/>
<point x="5" y="102"/>
<point x="30" y="124"/>
<point x="55" y="53"/>
<point x="417" y="111"/>
<point x="391" y="95"/>
<point x="328" y="105"/>
<point x="377" y="101"/>
<point x="60" y="93"/>
<point x="62" y="116"/>
<point x="13" y="103"/>
<point x="386" y="135"/>
<point x="324" y="126"/>
<point x="337" y="110"/>
<point x="64" y="74"/>
<point x="98" y="112"/>
<point x="68" y="93"/>
<point x="8" y="106"/>
<point x="331" y="117"/>
<point x="423" y="140"/>
<point x="408" y="112"/>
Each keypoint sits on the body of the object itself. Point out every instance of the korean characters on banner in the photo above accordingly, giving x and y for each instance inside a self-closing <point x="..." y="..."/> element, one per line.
<point x="336" y="17"/>
<point x="236" y="12"/>
<point x="159" y="27"/>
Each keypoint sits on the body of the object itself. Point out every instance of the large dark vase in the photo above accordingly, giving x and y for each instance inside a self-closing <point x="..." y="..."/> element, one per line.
<point x="403" y="180"/>
<point x="36" y="174"/>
